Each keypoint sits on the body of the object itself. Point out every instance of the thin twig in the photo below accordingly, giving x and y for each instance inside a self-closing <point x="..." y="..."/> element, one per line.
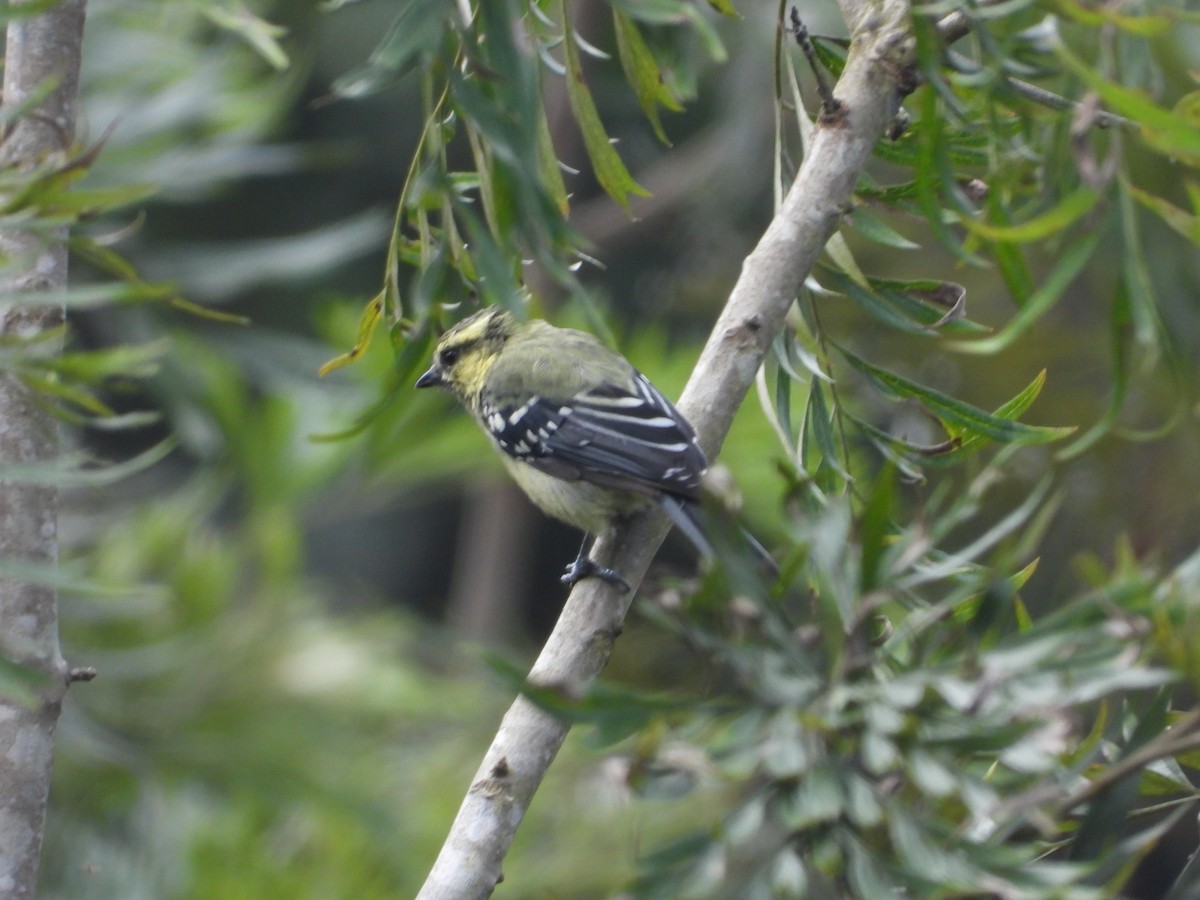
<point x="831" y="106"/>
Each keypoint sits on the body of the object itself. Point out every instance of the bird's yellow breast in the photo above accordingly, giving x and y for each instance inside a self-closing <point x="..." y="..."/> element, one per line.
<point x="586" y="506"/>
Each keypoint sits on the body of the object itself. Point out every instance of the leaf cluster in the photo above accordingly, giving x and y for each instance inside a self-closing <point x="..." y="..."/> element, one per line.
<point x="891" y="718"/>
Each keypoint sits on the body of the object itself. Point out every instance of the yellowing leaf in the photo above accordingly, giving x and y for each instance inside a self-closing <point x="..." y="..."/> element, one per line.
<point x="366" y="330"/>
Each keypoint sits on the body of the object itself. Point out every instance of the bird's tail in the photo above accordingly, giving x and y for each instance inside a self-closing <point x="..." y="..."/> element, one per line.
<point x="689" y="517"/>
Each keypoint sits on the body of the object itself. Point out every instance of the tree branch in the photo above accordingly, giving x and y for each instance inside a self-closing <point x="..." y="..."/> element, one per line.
<point x="40" y="50"/>
<point x="469" y="865"/>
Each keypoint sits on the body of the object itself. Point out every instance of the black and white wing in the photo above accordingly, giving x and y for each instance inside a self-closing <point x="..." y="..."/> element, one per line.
<point x="629" y="439"/>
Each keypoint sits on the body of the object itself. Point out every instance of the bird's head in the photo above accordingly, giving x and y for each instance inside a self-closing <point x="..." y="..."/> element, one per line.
<point x="465" y="353"/>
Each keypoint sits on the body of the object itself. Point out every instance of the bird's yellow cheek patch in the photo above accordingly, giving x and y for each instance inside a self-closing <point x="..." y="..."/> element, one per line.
<point x="469" y="374"/>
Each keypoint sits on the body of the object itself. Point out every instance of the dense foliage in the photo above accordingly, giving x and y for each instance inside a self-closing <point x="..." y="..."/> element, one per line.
<point x="956" y="687"/>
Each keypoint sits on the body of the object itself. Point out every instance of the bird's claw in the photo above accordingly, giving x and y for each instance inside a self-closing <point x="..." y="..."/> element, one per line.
<point x="583" y="567"/>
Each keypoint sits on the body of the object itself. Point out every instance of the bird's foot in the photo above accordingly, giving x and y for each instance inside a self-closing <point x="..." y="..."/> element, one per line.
<point x="583" y="567"/>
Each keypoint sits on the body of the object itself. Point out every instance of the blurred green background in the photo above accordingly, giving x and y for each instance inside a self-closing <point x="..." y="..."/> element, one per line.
<point x="292" y="696"/>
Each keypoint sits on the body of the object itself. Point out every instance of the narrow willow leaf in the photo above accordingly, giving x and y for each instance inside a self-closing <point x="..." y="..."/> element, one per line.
<point x="497" y="279"/>
<point x="1181" y="222"/>
<point x="610" y="171"/>
<point x="411" y="356"/>
<point x="655" y="12"/>
<point x="367" y="324"/>
<point x="783" y="407"/>
<point x="1054" y="220"/>
<point x="1133" y="320"/>
<point x="14" y="12"/>
<point x="1018" y="581"/>
<point x="1008" y="255"/>
<point x="876" y="527"/>
<point x="908" y="449"/>
<point x="62" y="577"/>
<point x="417" y="28"/>
<point x="207" y="312"/>
<point x="91" y="296"/>
<point x="917" y="306"/>
<point x="821" y="422"/>
<point x="878" y="231"/>
<point x="995" y="10"/>
<point x="768" y="408"/>
<point x="831" y="53"/>
<point x="69" y="393"/>
<point x="724" y="7"/>
<point x="260" y="34"/>
<point x="126" y="421"/>
<point x="961" y="420"/>
<point x="548" y="167"/>
<point x="839" y="252"/>
<point x="1068" y="267"/>
<point x="928" y="162"/>
<point x="953" y="562"/>
<point x="129" y="361"/>
<point x="643" y="73"/>
<point x="1100" y="16"/>
<point x="804" y="445"/>
<point x="92" y="201"/>
<point x="74" y="471"/>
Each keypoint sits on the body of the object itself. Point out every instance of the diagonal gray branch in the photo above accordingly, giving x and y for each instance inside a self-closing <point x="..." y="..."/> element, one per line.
<point x="469" y="865"/>
<point x="41" y="50"/>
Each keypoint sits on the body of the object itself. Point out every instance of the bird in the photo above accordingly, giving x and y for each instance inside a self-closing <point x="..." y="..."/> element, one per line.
<point x="586" y="435"/>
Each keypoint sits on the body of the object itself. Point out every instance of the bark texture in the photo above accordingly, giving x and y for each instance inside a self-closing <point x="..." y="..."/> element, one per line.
<point x="40" y="50"/>
<point x="469" y="865"/>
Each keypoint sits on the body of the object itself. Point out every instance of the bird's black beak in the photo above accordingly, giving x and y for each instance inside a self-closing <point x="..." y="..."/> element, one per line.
<point x="432" y="378"/>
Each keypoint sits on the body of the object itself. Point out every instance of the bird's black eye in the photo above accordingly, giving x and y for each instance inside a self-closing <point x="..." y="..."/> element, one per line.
<point x="448" y="357"/>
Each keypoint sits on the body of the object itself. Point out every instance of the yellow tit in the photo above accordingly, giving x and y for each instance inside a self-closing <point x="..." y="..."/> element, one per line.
<point x="584" y="433"/>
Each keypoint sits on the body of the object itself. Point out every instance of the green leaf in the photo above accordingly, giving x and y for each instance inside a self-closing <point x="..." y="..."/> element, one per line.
<point x="1008" y="255"/>
<point x="655" y="12"/>
<point x="1065" y="271"/>
<point x="839" y="252"/>
<point x="548" y="167"/>
<point x="1181" y="222"/>
<point x="129" y="360"/>
<point x="257" y="32"/>
<point x="962" y="420"/>
<point x="724" y="7"/>
<point x="642" y="71"/>
<point x="370" y="319"/>
<point x="917" y="306"/>
<point x="1064" y="213"/>
<point x="931" y="166"/>
<point x="72" y="394"/>
<point x="70" y="471"/>
<point x="417" y="29"/>
<point x="878" y="231"/>
<point x="1099" y="17"/>
<point x="820" y="420"/>
<point x="783" y="406"/>
<point x="876" y="527"/>
<point x="610" y="171"/>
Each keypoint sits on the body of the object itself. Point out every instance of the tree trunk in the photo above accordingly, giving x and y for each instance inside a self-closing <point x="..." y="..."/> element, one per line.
<point x="42" y="49"/>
